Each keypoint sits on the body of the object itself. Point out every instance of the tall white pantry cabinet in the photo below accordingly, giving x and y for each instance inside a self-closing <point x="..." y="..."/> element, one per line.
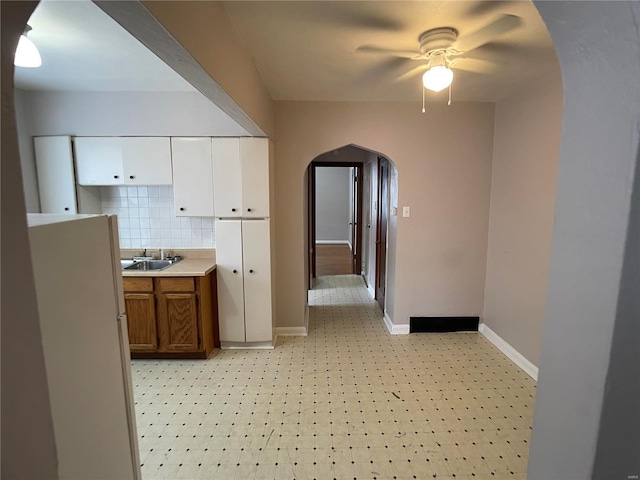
<point x="244" y="254"/>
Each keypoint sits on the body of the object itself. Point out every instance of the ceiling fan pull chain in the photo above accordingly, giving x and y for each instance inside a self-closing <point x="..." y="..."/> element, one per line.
<point x="422" y="88"/>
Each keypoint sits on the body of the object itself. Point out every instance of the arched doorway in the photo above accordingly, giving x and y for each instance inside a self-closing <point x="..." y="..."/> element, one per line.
<point x="372" y="202"/>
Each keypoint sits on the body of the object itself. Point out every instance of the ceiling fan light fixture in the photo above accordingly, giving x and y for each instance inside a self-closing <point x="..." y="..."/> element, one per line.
<point x="437" y="78"/>
<point x="27" y="54"/>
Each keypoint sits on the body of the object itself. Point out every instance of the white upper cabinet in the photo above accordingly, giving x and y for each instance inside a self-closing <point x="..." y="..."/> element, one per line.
<point x="56" y="181"/>
<point x="147" y="160"/>
<point x="227" y="177"/>
<point x="123" y="160"/>
<point x="99" y="160"/>
<point x="254" y="158"/>
<point x="192" y="176"/>
<point x="241" y="177"/>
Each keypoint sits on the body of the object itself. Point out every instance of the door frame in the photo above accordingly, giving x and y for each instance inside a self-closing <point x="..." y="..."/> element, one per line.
<point x="383" y="211"/>
<point x="357" y="258"/>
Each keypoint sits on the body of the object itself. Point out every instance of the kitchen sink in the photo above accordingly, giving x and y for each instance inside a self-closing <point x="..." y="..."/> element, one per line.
<point x="147" y="265"/>
<point x="126" y="263"/>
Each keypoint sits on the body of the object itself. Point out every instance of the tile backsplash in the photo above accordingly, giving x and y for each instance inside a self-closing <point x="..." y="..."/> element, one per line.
<point x="146" y="219"/>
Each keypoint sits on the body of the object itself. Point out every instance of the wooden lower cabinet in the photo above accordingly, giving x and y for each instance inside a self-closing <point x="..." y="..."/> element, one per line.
<point x="141" y="319"/>
<point x="178" y="322"/>
<point x="172" y="317"/>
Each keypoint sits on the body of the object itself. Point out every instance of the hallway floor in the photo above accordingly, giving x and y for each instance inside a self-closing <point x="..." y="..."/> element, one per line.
<point x="349" y="401"/>
<point x="333" y="259"/>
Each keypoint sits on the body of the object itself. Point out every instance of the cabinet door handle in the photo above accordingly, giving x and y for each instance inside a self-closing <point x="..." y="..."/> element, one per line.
<point x="116" y="176"/>
<point x="131" y="177"/>
<point x="182" y="209"/>
<point x="235" y="271"/>
<point x="248" y="209"/>
<point x="66" y="209"/>
<point x="250" y="271"/>
<point x="233" y="209"/>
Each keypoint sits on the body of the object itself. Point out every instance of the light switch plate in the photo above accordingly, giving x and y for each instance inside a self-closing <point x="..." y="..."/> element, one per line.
<point x="406" y="211"/>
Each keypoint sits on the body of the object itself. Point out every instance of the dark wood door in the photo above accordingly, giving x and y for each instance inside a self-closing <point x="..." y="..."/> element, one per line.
<point x="311" y="225"/>
<point x="356" y="226"/>
<point x="356" y="214"/>
<point x="381" y="233"/>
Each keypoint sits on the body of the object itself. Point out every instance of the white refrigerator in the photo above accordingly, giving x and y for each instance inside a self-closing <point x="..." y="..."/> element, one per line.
<point x="76" y="266"/>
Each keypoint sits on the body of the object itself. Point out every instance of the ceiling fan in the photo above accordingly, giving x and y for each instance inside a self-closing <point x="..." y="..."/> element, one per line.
<point x="442" y="49"/>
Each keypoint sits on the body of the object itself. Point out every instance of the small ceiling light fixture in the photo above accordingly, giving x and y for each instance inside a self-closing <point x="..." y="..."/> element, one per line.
<point x="438" y="75"/>
<point x="27" y="54"/>
<point x="437" y="78"/>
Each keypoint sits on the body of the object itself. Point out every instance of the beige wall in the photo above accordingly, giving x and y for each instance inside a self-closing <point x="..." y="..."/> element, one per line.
<point x="525" y="165"/>
<point x="207" y="32"/>
<point x="28" y="444"/>
<point x="444" y="173"/>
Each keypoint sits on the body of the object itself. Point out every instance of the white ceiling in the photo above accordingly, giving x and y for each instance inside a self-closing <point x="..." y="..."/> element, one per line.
<point x="309" y="50"/>
<point x="303" y="50"/>
<point x="83" y="49"/>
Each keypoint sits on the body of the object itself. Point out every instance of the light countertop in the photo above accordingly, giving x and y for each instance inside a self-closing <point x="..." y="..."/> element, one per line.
<point x="195" y="263"/>
<point x="188" y="267"/>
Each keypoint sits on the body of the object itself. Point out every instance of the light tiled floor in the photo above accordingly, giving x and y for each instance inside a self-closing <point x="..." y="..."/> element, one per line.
<point x="349" y="401"/>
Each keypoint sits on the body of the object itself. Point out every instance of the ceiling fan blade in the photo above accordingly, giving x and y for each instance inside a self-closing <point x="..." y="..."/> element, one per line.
<point x="488" y="33"/>
<point x="387" y="51"/>
<point x="475" y="65"/>
<point x="486" y="8"/>
<point x="411" y="73"/>
<point x="382" y="71"/>
<point x="350" y="14"/>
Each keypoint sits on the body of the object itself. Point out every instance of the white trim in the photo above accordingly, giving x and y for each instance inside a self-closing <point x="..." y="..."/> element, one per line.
<point x="371" y="291"/>
<point x="515" y="356"/>
<point x="247" y="346"/>
<point x="333" y="242"/>
<point x="395" y="329"/>
<point x="292" y="331"/>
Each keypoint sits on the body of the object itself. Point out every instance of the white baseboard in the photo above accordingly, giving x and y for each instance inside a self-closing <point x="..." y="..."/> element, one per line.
<point x="247" y="346"/>
<point x="333" y="242"/>
<point x="292" y="331"/>
<point x="515" y="356"/>
<point x="371" y="291"/>
<point x="395" y="329"/>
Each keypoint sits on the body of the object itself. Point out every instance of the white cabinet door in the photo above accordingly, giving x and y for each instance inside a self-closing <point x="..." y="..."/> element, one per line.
<point x="147" y="160"/>
<point x="192" y="177"/>
<point x="56" y="180"/>
<point x="257" y="280"/>
<point x="99" y="160"/>
<point x="231" y="310"/>
<point x="227" y="177"/>
<point x="254" y="158"/>
<point x="123" y="160"/>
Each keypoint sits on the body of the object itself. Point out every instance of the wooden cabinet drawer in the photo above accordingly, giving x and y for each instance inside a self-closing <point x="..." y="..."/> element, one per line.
<point x="175" y="284"/>
<point x="137" y="284"/>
